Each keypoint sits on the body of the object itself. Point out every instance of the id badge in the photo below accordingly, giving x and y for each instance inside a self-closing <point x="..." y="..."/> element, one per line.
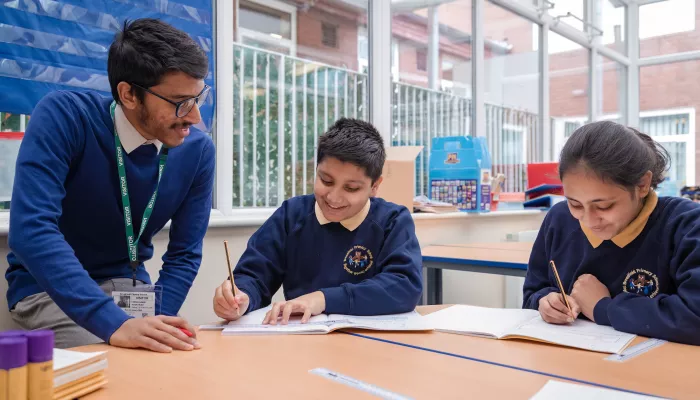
<point x="139" y="301"/>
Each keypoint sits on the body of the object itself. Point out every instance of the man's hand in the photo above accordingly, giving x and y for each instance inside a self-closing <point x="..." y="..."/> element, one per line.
<point x="308" y="304"/>
<point x="160" y="333"/>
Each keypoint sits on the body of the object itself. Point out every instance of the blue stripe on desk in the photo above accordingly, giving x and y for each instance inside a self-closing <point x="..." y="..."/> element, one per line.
<point x="497" y="364"/>
<point x="480" y="263"/>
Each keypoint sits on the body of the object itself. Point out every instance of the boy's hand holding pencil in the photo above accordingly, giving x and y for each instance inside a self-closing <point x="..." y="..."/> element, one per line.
<point x="228" y="306"/>
<point x="229" y="302"/>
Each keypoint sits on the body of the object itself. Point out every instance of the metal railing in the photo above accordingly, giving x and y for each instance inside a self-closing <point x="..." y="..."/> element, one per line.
<point x="284" y="103"/>
<point x="421" y="114"/>
<point x="514" y="140"/>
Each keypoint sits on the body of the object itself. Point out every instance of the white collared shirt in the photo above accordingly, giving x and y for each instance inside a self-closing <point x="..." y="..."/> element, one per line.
<point x="128" y="135"/>
<point x="351" y="223"/>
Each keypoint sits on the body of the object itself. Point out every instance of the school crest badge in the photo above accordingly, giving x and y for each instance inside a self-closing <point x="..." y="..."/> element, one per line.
<point x="358" y="260"/>
<point x="641" y="282"/>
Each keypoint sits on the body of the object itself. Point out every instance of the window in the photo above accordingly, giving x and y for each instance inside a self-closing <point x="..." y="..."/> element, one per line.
<point x="673" y="129"/>
<point x="423" y="109"/>
<point x="612" y="24"/>
<point x="64" y="46"/>
<point x="610" y="87"/>
<point x="511" y="90"/>
<point x="569" y="12"/>
<point x="267" y="24"/>
<point x="668" y="27"/>
<point x="568" y="90"/>
<point x="285" y="99"/>
<point x="329" y="35"/>
<point x="672" y="88"/>
<point x="421" y="60"/>
<point x="257" y="17"/>
<point x="363" y="54"/>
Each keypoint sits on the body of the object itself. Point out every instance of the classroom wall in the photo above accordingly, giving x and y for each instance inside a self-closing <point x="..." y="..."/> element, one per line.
<point x="459" y="287"/>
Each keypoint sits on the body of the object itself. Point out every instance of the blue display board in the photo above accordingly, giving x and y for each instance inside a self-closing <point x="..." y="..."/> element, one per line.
<point x="62" y="45"/>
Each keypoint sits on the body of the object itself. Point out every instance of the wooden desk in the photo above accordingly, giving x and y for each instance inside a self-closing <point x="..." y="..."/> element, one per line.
<point x="668" y="371"/>
<point x="502" y="258"/>
<point x="254" y="367"/>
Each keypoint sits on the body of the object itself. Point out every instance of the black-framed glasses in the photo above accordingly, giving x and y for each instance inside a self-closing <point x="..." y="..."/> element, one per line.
<point x="182" y="107"/>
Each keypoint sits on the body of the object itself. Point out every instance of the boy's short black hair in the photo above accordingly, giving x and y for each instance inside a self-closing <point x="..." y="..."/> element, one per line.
<point x="354" y="141"/>
<point x="147" y="49"/>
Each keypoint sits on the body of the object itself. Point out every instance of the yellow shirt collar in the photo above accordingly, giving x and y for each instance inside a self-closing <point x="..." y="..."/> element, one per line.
<point x="351" y="223"/>
<point x="632" y="230"/>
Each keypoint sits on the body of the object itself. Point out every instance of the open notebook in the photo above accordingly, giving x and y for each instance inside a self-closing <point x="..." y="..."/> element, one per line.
<point x="499" y="323"/>
<point x="251" y="324"/>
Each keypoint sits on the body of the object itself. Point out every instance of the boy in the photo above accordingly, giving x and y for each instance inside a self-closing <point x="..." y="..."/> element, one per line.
<point x="339" y="250"/>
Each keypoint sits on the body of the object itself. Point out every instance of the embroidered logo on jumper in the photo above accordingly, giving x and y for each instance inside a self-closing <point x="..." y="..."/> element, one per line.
<point x="451" y="158"/>
<point x="358" y="260"/>
<point x="641" y="282"/>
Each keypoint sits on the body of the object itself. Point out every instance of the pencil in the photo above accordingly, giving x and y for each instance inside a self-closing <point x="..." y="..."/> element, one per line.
<point x="230" y="270"/>
<point x="561" y="287"/>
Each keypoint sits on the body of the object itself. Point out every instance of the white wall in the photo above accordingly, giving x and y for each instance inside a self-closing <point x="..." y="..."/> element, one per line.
<point x="459" y="287"/>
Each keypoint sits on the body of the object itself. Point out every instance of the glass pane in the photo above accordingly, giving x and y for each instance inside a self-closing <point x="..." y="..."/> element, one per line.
<point x="568" y="87"/>
<point x="11" y="132"/>
<point x="425" y="108"/>
<point x="278" y="47"/>
<point x="667" y="27"/>
<point x="569" y="12"/>
<point x="287" y="93"/>
<point x="609" y="87"/>
<point x="613" y="25"/>
<point x="677" y="169"/>
<point x="511" y="87"/>
<point x="669" y="102"/>
<point x="256" y="17"/>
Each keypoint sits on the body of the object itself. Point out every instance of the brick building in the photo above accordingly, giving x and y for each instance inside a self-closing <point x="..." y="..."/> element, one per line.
<point x="334" y="32"/>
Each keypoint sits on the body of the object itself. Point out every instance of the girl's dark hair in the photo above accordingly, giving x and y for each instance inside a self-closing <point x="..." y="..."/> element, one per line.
<point x="615" y="153"/>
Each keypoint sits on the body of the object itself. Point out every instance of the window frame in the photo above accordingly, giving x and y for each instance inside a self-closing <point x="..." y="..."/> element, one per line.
<point x="245" y="33"/>
<point x="688" y="139"/>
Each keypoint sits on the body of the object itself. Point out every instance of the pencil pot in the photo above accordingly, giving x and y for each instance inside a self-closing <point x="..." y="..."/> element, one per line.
<point x="460" y="172"/>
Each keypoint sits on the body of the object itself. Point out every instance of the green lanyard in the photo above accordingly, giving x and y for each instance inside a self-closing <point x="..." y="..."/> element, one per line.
<point x="132" y="242"/>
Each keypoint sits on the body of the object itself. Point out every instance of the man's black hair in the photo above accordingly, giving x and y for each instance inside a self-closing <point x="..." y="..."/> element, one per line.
<point x="147" y="49"/>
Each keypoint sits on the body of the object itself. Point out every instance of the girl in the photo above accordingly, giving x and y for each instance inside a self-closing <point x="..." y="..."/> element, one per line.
<point x="627" y="258"/>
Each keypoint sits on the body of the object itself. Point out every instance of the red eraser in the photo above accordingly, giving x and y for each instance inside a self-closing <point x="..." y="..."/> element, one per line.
<point x="186" y="332"/>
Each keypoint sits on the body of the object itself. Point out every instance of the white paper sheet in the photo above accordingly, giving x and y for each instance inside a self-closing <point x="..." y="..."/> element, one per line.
<point x="556" y="390"/>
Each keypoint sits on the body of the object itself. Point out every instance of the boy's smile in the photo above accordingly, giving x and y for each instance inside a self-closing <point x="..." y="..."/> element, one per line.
<point x="342" y="189"/>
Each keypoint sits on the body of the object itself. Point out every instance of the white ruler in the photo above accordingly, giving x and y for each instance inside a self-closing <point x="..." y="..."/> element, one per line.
<point x="358" y="384"/>
<point x="636" y="350"/>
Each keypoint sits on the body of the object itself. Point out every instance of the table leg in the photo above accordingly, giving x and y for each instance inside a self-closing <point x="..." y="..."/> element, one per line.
<point x="437" y="277"/>
<point x="432" y="294"/>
